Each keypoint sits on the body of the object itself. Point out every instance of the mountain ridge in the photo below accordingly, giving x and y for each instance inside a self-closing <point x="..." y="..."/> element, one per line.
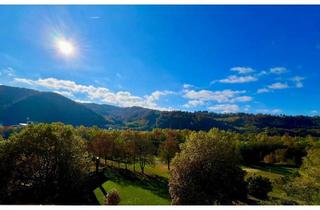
<point x="16" y="104"/>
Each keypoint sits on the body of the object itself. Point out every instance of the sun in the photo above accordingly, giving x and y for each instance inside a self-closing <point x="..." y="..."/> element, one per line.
<point x="65" y="47"/>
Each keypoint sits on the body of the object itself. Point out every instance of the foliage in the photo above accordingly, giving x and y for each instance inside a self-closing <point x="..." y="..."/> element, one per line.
<point x="113" y="197"/>
<point x="306" y="186"/>
<point x="259" y="186"/>
<point x="206" y="171"/>
<point x="44" y="163"/>
<point x="168" y="149"/>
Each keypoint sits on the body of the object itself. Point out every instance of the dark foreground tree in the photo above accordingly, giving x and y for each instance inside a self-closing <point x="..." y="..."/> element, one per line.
<point x="206" y="171"/>
<point x="42" y="164"/>
<point x="259" y="186"/>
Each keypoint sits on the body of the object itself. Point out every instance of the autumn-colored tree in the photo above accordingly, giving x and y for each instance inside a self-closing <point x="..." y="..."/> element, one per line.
<point x="168" y="149"/>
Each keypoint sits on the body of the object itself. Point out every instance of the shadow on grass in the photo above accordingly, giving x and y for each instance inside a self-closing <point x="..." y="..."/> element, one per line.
<point x="283" y="170"/>
<point x="156" y="184"/>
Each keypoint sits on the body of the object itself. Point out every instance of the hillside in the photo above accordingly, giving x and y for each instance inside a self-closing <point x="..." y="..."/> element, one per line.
<point x="18" y="104"/>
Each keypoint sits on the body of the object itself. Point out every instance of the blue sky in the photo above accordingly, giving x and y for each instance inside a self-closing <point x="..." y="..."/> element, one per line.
<point x="256" y="59"/>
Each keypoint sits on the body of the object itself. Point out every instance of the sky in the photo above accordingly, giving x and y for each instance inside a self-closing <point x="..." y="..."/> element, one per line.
<point x="253" y="59"/>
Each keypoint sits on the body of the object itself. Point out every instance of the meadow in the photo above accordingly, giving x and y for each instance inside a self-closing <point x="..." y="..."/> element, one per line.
<point x="152" y="187"/>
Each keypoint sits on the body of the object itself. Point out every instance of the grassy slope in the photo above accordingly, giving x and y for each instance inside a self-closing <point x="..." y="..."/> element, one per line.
<point x="135" y="188"/>
<point x="277" y="195"/>
<point x="152" y="188"/>
<point x="135" y="195"/>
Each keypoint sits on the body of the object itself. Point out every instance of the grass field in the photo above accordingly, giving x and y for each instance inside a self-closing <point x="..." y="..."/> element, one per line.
<point x="277" y="195"/>
<point x="135" y="188"/>
<point x="152" y="188"/>
<point x="132" y="194"/>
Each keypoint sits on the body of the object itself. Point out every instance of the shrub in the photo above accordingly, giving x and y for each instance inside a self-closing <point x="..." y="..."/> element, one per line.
<point x="259" y="186"/>
<point x="270" y="158"/>
<point x="113" y="198"/>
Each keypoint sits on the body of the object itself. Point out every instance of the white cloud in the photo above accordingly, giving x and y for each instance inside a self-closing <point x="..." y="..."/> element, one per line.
<point x="237" y="79"/>
<point x="194" y="103"/>
<point x="261" y="73"/>
<point x="101" y="94"/>
<point x="298" y="81"/>
<point x="224" y="108"/>
<point x="215" y="96"/>
<point x="269" y="111"/>
<point x="242" y="70"/>
<point x="278" y="85"/>
<point x="278" y="70"/>
<point x="187" y="86"/>
<point x="65" y="93"/>
<point x="263" y="90"/>
<point x="241" y="99"/>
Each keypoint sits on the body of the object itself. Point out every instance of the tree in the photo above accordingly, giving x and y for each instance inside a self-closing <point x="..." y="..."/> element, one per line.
<point x="259" y="186"/>
<point x="206" y="171"/>
<point x="306" y="186"/>
<point x="168" y="149"/>
<point x="145" y="150"/>
<point x="43" y="163"/>
<point x="102" y="145"/>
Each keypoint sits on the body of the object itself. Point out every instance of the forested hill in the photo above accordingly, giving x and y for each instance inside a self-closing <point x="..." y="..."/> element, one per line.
<point x="19" y="104"/>
<point x="146" y="119"/>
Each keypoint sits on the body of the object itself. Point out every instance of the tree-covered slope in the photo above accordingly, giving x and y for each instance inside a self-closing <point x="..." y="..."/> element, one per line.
<point x="44" y="107"/>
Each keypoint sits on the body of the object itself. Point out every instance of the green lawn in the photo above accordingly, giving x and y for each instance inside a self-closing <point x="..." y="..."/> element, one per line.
<point x="152" y="187"/>
<point x="134" y="188"/>
<point x="277" y="195"/>
<point x="131" y="194"/>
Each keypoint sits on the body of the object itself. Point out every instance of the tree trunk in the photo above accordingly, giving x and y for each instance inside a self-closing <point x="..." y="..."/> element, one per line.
<point x="134" y="165"/>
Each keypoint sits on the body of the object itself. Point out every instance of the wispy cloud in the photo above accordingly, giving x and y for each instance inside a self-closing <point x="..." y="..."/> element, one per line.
<point x="278" y="70"/>
<point x="242" y="70"/>
<point x="224" y="108"/>
<point x="278" y="85"/>
<point x="194" y="103"/>
<point x="314" y="112"/>
<point x="187" y="86"/>
<point x="7" y="72"/>
<point x="269" y="111"/>
<point x="298" y="81"/>
<point x="94" y="17"/>
<point x="263" y="90"/>
<point x="101" y="94"/>
<point x="238" y="79"/>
